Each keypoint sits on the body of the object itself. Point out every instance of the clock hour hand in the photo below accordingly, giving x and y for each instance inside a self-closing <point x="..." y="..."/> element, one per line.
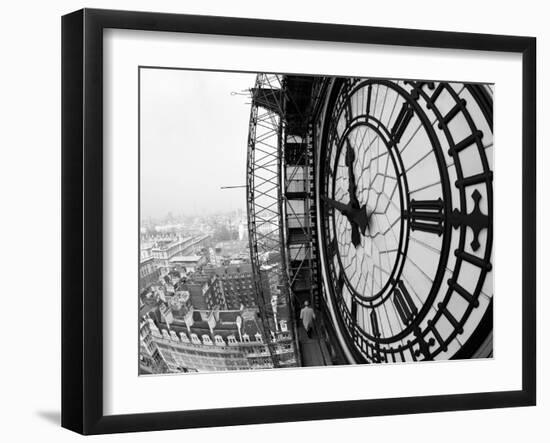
<point x="342" y="207"/>
<point x="357" y="217"/>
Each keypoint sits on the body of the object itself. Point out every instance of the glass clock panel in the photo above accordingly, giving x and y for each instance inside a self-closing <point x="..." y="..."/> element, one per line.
<point x="406" y="207"/>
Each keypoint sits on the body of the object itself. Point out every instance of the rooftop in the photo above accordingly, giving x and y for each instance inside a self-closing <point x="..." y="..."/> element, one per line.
<point x="243" y="268"/>
<point x="170" y="242"/>
<point x="144" y="260"/>
<point x="185" y="259"/>
<point x="214" y="322"/>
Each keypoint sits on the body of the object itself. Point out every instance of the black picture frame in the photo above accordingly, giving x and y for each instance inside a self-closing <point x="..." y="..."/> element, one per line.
<point x="82" y="220"/>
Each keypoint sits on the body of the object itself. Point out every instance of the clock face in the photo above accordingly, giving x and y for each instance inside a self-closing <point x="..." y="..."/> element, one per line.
<point x="405" y="213"/>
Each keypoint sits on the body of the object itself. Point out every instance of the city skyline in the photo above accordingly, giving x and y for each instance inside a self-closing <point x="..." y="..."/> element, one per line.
<point x="176" y="217"/>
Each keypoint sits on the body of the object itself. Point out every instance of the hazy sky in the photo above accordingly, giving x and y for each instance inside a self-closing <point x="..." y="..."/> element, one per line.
<point x="193" y="140"/>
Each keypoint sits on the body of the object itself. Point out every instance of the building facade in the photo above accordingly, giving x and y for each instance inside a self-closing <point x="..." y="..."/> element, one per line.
<point x="211" y="340"/>
<point x="188" y="262"/>
<point x="166" y="248"/>
<point x="148" y="273"/>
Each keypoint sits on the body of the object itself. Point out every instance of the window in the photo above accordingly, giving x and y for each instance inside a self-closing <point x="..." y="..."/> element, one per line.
<point x="195" y="339"/>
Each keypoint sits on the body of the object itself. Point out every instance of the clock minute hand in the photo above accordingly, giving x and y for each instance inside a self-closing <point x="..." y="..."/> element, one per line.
<point x="352" y="188"/>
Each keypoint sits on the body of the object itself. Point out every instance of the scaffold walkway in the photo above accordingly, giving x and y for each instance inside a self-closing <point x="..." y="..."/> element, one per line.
<point x="314" y="351"/>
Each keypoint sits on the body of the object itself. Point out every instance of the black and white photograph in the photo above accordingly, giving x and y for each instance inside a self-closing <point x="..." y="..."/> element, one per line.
<point x="291" y="220"/>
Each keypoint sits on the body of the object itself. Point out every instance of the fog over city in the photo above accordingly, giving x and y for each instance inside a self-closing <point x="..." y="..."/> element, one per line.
<point x="193" y="141"/>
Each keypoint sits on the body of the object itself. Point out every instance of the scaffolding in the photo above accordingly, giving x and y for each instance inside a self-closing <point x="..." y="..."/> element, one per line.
<point x="264" y="204"/>
<point x="281" y="191"/>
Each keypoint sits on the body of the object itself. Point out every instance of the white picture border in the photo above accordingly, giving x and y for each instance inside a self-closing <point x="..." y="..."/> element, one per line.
<point x="126" y="393"/>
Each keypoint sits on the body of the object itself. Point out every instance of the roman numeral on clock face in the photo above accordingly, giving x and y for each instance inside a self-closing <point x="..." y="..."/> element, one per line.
<point x="374" y="323"/>
<point x="341" y="281"/>
<point x="426" y="215"/>
<point x="354" y="311"/>
<point x="401" y="122"/>
<point x="404" y="303"/>
<point x="369" y="94"/>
